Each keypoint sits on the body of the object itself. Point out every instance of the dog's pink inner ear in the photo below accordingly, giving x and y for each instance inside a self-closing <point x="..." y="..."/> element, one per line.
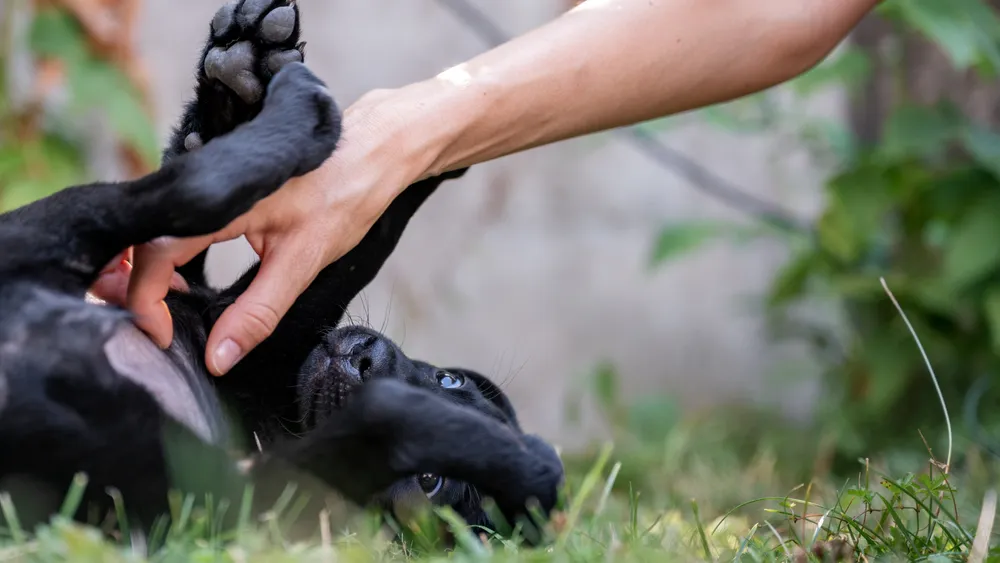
<point x="134" y="356"/>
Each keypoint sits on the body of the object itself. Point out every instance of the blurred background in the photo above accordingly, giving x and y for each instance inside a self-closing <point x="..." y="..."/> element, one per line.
<point x="716" y="271"/>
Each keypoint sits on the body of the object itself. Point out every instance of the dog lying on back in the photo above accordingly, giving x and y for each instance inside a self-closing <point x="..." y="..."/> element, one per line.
<point x="82" y="390"/>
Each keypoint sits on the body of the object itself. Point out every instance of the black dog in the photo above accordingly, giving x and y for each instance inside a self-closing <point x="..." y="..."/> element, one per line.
<point x="82" y="390"/>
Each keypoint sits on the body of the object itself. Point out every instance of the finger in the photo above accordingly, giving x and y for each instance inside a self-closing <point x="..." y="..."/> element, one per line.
<point x="112" y="285"/>
<point x="151" y="279"/>
<point x="282" y="277"/>
<point x="123" y="256"/>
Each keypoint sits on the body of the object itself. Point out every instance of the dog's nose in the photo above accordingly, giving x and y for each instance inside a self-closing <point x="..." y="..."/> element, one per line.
<point x="358" y="355"/>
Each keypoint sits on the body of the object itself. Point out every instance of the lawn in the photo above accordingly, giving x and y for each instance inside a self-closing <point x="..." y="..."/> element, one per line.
<point x="711" y="488"/>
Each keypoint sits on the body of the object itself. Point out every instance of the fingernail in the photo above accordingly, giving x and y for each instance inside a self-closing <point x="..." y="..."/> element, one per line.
<point x="226" y="356"/>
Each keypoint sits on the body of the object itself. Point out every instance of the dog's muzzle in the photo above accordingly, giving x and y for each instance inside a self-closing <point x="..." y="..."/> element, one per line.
<point x="348" y="358"/>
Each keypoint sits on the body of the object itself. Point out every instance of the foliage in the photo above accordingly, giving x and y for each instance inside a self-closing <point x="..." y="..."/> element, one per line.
<point x="922" y="209"/>
<point x="42" y="148"/>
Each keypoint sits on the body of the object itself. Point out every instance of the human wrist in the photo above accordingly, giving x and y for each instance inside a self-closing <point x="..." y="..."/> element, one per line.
<point x="425" y="124"/>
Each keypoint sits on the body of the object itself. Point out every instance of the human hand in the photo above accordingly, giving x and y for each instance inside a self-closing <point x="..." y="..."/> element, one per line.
<point x="303" y="227"/>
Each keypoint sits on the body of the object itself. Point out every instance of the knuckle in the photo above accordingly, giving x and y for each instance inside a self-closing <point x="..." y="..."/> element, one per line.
<point x="160" y="245"/>
<point x="260" y="319"/>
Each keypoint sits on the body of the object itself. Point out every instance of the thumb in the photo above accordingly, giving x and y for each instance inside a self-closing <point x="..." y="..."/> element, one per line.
<point x="255" y="315"/>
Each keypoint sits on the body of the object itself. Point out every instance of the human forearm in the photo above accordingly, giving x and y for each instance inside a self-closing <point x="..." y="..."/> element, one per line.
<point x="609" y="63"/>
<point x="604" y="64"/>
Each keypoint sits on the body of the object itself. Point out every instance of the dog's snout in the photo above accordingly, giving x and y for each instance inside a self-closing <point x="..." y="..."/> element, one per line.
<point x="358" y="354"/>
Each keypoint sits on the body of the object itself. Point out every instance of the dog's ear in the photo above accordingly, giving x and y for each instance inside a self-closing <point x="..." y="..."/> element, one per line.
<point x="492" y="392"/>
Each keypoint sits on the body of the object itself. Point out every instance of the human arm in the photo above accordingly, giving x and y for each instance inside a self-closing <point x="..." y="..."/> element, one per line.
<point x="609" y="63"/>
<point x="606" y="63"/>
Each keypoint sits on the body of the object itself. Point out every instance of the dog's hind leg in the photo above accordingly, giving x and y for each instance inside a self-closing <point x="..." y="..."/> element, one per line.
<point x="193" y="194"/>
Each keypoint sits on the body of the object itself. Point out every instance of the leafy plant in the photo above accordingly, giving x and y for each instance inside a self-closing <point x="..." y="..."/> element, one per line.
<point x="921" y="208"/>
<point x="41" y="147"/>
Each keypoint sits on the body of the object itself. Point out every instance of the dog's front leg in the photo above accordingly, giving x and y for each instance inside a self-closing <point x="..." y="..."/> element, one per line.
<point x="247" y="43"/>
<point x="195" y="194"/>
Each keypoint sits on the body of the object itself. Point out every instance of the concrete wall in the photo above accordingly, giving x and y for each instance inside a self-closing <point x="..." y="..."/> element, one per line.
<point x="533" y="268"/>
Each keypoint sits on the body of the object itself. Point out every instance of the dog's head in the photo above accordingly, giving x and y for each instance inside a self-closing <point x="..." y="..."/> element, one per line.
<point x="352" y="356"/>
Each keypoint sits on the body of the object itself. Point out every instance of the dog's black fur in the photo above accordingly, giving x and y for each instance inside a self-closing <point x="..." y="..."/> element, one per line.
<point x="81" y="390"/>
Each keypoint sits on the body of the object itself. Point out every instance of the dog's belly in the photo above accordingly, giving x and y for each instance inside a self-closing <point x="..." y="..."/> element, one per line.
<point x="172" y="378"/>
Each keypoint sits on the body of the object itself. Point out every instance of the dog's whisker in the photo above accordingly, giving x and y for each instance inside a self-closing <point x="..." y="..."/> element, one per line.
<point x="387" y="313"/>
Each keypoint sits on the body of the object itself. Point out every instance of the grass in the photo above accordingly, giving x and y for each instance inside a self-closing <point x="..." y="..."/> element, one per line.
<point x="621" y="505"/>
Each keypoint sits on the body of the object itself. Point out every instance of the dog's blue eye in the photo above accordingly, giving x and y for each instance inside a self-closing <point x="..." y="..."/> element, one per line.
<point x="430" y="484"/>
<point x="450" y="380"/>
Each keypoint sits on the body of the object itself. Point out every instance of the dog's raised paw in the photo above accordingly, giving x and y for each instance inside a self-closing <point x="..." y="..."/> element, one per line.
<point x="303" y="99"/>
<point x="251" y="41"/>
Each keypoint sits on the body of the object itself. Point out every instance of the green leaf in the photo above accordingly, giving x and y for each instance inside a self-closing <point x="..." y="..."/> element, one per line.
<point x="657" y="126"/>
<point x="652" y="418"/>
<point x="606" y="387"/>
<point x="55" y="33"/>
<point x="790" y="283"/>
<point x="920" y="131"/>
<point x="832" y="135"/>
<point x="54" y="165"/>
<point x="858" y="287"/>
<point x="678" y="239"/>
<point x="934" y="295"/>
<point x="971" y="252"/>
<point x="11" y="163"/>
<point x="855" y="215"/>
<point x="750" y="114"/>
<point x="967" y="30"/>
<point x="835" y="234"/>
<point x="96" y="83"/>
<point x="984" y="145"/>
<point x="991" y="309"/>
<point x="681" y="238"/>
<point x="888" y="360"/>
<point x="849" y="68"/>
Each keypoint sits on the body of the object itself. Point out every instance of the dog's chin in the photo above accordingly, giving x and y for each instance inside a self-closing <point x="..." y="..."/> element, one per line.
<point x="328" y="390"/>
<point x="336" y="390"/>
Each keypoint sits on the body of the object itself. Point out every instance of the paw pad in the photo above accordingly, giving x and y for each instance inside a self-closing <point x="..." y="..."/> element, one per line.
<point x="252" y="41"/>
<point x="251" y="11"/>
<point x="234" y="67"/>
<point x="278" y="25"/>
<point x="193" y="142"/>
<point x="278" y="59"/>
<point x="223" y="19"/>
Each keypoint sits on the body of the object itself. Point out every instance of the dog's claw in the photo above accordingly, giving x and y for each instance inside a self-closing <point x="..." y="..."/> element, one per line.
<point x="278" y="25"/>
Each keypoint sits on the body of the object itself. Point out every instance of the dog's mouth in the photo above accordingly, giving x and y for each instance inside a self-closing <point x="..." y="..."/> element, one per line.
<point x="339" y="386"/>
<point x="332" y="389"/>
